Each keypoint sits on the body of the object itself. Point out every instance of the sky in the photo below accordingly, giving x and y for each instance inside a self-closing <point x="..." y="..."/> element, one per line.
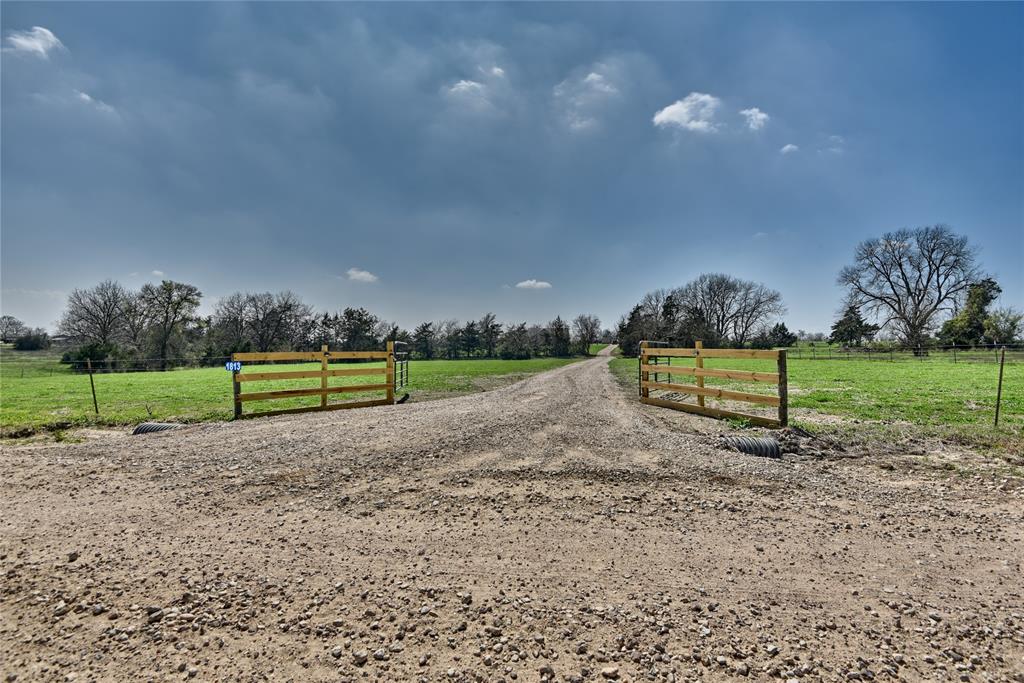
<point x="433" y="161"/>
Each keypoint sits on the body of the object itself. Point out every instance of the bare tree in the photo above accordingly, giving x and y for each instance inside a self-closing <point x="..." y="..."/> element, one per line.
<point x="135" y="317"/>
<point x="909" y="277"/>
<point x="275" y="320"/>
<point x="229" y="322"/>
<point x="170" y="306"/>
<point x="585" y="331"/>
<point x="95" y="316"/>
<point x="731" y="308"/>
<point x="10" y="328"/>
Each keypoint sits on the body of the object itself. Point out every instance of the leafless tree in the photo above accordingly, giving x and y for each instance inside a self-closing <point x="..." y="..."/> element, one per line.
<point x="96" y="315"/>
<point x="170" y="306"/>
<point x="909" y="277"/>
<point x="229" y="322"/>
<point x="135" y="317"/>
<point x="10" y="328"/>
<point x="585" y="331"/>
<point x="731" y="308"/>
<point x="275" y="320"/>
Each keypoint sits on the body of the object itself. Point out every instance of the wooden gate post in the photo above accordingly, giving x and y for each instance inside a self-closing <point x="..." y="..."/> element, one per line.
<point x="783" y="390"/>
<point x="236" y="389"/>
<point x="644" y="375"/>
<point x="323" y="376"/>
<point x="391" y="372"/>
<point x="699" y="363"/>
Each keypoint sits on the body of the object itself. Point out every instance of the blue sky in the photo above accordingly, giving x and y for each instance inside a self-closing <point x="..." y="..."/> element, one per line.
<point x="423" y="160"/>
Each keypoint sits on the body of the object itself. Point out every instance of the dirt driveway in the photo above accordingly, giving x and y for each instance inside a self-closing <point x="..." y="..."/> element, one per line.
<point x="554" y="529"/>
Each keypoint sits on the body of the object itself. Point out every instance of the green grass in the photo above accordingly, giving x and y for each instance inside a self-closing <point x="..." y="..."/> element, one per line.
<point x="42" y="400"/>
<point x="594" y="348"/>
<point x="953" y="401"/>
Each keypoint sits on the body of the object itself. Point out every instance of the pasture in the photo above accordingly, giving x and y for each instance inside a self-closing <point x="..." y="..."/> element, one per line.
<point x="37" y="392"/>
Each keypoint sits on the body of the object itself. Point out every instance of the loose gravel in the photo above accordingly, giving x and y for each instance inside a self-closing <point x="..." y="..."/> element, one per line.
<point x="552" y="530"/>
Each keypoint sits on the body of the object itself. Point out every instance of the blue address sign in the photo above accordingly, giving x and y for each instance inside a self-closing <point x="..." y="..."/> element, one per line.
<point x="233" y="366"/>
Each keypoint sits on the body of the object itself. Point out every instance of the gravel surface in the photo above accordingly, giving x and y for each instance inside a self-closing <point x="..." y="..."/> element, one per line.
<point x="555" y="529"/>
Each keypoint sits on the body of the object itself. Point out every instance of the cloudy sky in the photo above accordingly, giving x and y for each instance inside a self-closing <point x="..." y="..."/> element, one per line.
<point x="432" y="161"/>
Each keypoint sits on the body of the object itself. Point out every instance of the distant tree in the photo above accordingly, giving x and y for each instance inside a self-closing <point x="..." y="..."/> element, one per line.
<point x="170" y="306"/>
<point x="540" y="340"/>
<point x="851" y="329"/>
<point x="585" y="331"/>
<point x="630" y="332"/>
<point x="779" y="337"/>
<point x="96" y="315"/>
<point x="515" y="343"/>
<point x="357" y="330"/>
<point x="729" y="307"/>
<point x="968" y="326"/>
<point x="470" y="338"/>
<point x="423" y="340"/>
<point x="275" y="321"/>
<point x="136" y="322"/>
<point x="1004" y="326"/>
<point x="909" y="277"/>
<point x="32" y="340"/>
<point x="490" y="333"/>
<point x="449" y="338"/>
<point x="560" y="338"/>
<point x="10" y="328"/>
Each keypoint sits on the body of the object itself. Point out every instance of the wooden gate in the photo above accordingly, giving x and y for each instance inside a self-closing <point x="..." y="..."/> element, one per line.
<point x="670" y="394"/>
<point x="385" y="374"/>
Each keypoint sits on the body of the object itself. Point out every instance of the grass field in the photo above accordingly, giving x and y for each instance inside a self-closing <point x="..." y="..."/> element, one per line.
<point x="952" y="401"/>
<point x="37" y="392"/>
<point x="594" y="348"/>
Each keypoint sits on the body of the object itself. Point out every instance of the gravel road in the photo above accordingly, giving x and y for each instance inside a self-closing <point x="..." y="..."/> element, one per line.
<point x="554" y="529"/>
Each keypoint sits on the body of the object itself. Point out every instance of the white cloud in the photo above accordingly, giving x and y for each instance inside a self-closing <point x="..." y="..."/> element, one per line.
<point x="360" y="275"/>
<point x="533" y="284"/>
<point x="582" y="99"/>
<point x="789" y="149"/>
<point x="158" y="273"/>
<point x="465" y="87"/>
<point x="756" y="119"/>
<point x="468" y="94"/>
<point x="38" y="41"/>
<point x="99" y="105"/>
<point x="695" y="112"/>
<point x="497" y="71"/>
<point x="836" y="145"/>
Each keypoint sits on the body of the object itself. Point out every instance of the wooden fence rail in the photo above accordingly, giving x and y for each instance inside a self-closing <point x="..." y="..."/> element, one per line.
<point x="324" y="356"/>
<point x="649" y="363"/>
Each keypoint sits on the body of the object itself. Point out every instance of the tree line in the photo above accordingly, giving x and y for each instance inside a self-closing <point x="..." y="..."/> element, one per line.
<point x="919" y="287"/>
<point x="716" y="308"/>
<point x="160" y="322"/>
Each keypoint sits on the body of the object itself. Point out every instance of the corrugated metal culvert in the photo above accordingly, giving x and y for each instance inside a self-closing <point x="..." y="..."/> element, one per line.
<point x="150" y="427"/>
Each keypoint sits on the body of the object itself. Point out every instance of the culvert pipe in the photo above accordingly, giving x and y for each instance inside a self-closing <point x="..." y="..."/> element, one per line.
<point x="753" y="445"/>
<point x="150" y="427"/>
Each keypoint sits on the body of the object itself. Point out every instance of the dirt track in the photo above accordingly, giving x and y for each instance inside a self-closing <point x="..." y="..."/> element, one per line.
<point x="552" y="529"/>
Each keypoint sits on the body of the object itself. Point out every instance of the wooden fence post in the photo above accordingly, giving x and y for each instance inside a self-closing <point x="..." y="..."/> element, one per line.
<point x="391" y="372"/>
<point x="92" y="385"/>
<point x="644" y="375"/>
<point x="699" y="362"/>
<point x="783" y="390"/>
<point x="236" y="389"/>
<point x="323" y="376"/>
<point x="999" y="390"/>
